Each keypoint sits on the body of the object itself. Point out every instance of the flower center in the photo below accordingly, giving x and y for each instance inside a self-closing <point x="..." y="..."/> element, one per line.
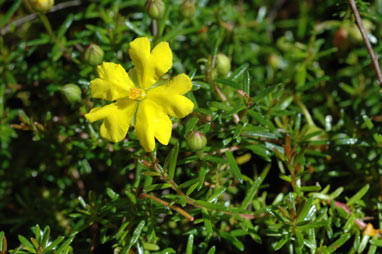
<point x="136" y="94"/>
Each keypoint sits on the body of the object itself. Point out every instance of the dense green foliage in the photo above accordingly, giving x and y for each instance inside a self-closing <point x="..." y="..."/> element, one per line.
<point x="293" y="157"/>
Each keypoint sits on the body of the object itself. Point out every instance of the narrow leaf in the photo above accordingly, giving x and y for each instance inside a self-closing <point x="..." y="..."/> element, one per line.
<point x="233" y="165"/>
<point x="251" y="193"/>
<point x="358" y="195"/>
<point x="190" y="244"/>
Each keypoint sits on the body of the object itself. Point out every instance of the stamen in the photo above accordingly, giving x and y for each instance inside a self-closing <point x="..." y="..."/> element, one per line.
<point x="136" y="94"/>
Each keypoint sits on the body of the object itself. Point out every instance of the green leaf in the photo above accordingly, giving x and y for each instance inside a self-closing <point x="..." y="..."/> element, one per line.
<point x="358" y="195"/>
<point x="238" y="72"/>
<point x="372" y="249"/>
<point x="46" y="235"/>
<point x="5" y="18"/>
<point x="300" y="76"/>
<point x="247" y="83"/>
<point x="3" y="243"/>
<point x="173" y="157"/>
<point x="364" y="243"/>
<point x="217" y="192"/>
<point x="189" y="183"/>
<point x="190" y="244"/>
<point x="251" y="193"/>
<point x="212" y="250"/>
<point x="65" y="246"/>
<point x="168" y="251"/>
<point x="134" y="238"/>
<point x="233" y="165"/>
<point x="65" y="26"/>
<point x="111" y="193"/>
<point x="207" y="223"/>
<point x="55" y="243"/>
<point x="260" y="132"/>
<point x="37" y="233"/>
<point x="219" y="207"/>
<point x="25" y="242"/>
<point x="259" y="149"/>
<point x="230" y="83"/>
<point x="263" y="93"/>
<point x="232" y="239"/>
<point x="279" y="244"/>
<point x="317" y="224"/>
<point x="135" y="29"/>
<point x="159" y="186"/>
<point x="308" y="208"/>
<point x="190" y="125"/>
<point x="338" y="243"/>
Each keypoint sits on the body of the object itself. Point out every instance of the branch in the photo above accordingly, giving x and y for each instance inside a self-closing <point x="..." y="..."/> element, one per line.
<point x="32" y="16"/>
<point x="361" y="28"/>
<point x="167" y="204"/>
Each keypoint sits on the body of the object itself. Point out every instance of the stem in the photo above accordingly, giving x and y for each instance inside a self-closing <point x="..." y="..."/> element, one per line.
<point x="347" y="210"/>
<point x="361" y="28"/>
<point x="17" y="23"/>
<point x="47" y="25"/>
<point x="223" y="98"/>
<point x="167" y="204"/>
<point x="305" y="111"/>
<point x="155" y="28"/>
<point x="189" y="200"/>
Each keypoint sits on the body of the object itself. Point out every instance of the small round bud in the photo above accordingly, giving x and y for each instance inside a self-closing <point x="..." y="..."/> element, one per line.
<point x="39" y="5"/>
<point x="341" y="39"/>
<point x="275" y="60"/>
<point x="354" y="33"/>
<point x="93" y="54"/>
<point x="196" y="140"/>
<point x="71" y="93"/>
<point x="155" y="8"/>
<point x="187" y="9"/>
<point x="223" y="64"/>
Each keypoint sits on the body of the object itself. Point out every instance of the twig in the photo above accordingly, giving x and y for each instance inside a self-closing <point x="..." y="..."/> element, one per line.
<point x="167" y="204"/>
<point x="361" y="28"/>
<point x="30" y="17"/>
<point x="224" y="99"/>
<point x="155" y="28"/>
<point x="347" y="210"/>
<point x="189" y="200"/>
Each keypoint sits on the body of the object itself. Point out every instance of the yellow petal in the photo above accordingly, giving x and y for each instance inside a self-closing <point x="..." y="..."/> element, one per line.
<point x="152" y="122"/>
<point x="113" y="82"/>
<point x="170" y="96"/>
<point x="117" y="118"/>
<point x="150" y="66"/>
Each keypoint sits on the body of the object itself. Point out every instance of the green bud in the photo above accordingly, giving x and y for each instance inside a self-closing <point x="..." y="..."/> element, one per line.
<point x="93" y="54"/>
<point x="223" y="64"/>
<point x="354" y="34"/>
<point x="187" y="9"/>
<point x="155" y="8"/>
<point x="71" y="93"/>
<point x="39" y="5"/>
<point x="196" y="140"/>
<point x="274" y="60"/>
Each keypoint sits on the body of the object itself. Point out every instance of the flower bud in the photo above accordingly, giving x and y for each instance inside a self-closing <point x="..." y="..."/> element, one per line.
<point x="274" y="60"/>
<point x="71" y="93"/>
<point x="196" y="140"/>
<point x="187" y="9"/>
<point x="93" y="54"/>
<point x="223" y="64"/>
<point x="341" y="39"/>
<point x="39" y="5"/>
<point x="155" y="8"/>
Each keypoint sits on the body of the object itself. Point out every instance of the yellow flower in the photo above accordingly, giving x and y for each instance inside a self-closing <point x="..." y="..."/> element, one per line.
<point x="136" y="99"/>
